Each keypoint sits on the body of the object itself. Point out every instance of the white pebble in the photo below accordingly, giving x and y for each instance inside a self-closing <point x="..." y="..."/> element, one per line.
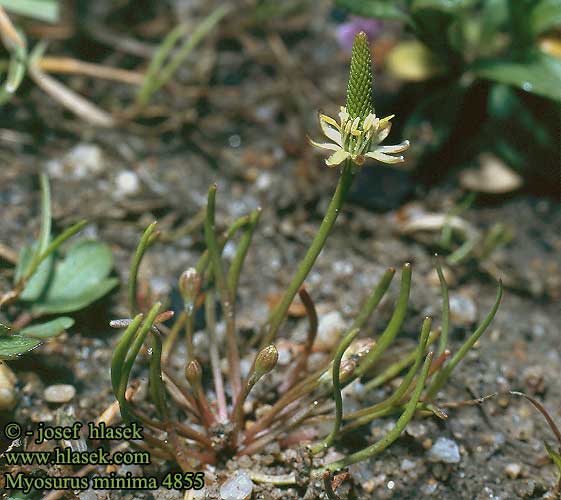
<point x="59" y="393"/>
<point x="513" y="470"/>
<point x="84" y="160"/>
<point x="407" y="464"/>
<point x="462" y="309"/>
<point x="238" y="487"/>
<point x="444" y="450"/>
<point x="127" y="183"/>
<point x="330" y="327"/>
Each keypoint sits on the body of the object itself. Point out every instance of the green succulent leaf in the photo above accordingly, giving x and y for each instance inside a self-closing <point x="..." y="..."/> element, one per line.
<point x="14" y="345"/>
<point x="78" y="280"/>
<point x="359" y="89"/>
<point x="48" y="329"/>
<point x="537" y="73"/>
<point x="379" y="9"/>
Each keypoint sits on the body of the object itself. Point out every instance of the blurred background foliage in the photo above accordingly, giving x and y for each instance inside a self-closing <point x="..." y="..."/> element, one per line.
<point x="482" y="75"/>
<point x="465" y="76"/>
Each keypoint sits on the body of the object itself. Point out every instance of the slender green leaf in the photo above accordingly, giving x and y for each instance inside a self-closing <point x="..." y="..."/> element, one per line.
<point x="36" y="284"/>
<point x="159" y="74"/>
<point x="49" y="329"/>
<point x="378" y="9"/>
<point x="43" y="10"/>
<point x="16" y="72"/>
<point x="14" y="345"/>
<point x="442" y="5"/>
<point x="46" y="220"/>
<point x="537" y="73"/>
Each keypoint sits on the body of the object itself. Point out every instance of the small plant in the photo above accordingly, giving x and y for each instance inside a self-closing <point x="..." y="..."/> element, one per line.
<point x="47" y="282"/>
<point x="185" y="425"/>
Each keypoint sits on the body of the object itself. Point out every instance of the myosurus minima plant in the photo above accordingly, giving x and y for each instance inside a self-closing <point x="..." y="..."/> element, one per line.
<point x="194" y="420"/>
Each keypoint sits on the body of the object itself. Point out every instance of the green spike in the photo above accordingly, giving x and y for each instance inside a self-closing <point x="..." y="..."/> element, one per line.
<point x="359" y="89"/>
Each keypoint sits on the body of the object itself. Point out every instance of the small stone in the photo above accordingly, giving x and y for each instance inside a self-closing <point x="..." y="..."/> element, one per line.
<point x="444" y="450"/>
<point x="513" y="470"/>
<point x="126" y="184"/>
<point x="238" y="487"/>
<point x="83" y="160"/>
<point x="462" y="309"/>
<point x="330" y="327"/>
<point x="407" y="464"/>
<point x="165" y="494"/>
<point x="492" y="176"/>
<point x="429" y="487"/>
<point x="59" y="393"/>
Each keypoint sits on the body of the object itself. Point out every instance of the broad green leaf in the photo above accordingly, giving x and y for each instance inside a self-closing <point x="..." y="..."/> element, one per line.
<point x="79" y="279"/>
<point x="545" y="15"/>
<point x="37" y="283"/>
<point x="4" y="329"/>
<point x="44" y="10"/>
<point x="49" y="329"/>
<point x="378" y="9"/>
<point x="14" y="345"/>
<point x="538" y="73"/>
<point x="442" y="5"/>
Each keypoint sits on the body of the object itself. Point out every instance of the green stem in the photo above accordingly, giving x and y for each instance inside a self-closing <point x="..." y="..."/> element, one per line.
<point x="443" y="374"/>
<point x="391" y="436"/>
<point x="374" y="299"/>
<point x="51" y="247"/>
<point x="243" y="247"/>
<point x="135" y="347"/>
<point x="395" y="368"/>
<point x="343" y="346"/>
<point x="408" y="379"/>
<point x="157" y="390"/>
<point x="210" y="319"/>
<point x="279" y="313"/>
<point x="393" y="326"/>
<point x="445" y="309"/>
<point x="143" y="245"/>
<point x="226" y="298"/>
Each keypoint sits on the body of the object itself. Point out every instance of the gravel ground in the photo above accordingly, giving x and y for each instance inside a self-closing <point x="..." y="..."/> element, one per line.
<point x="252" y="143"/>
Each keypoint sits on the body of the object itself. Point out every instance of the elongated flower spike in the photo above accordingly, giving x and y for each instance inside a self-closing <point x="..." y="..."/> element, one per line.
<point x="359" y="131"/>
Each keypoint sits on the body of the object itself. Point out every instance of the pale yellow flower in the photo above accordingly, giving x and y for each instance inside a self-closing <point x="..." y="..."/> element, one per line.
<point x="358" y="139"/>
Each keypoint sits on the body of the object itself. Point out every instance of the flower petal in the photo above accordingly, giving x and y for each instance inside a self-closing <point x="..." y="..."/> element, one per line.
<point x="324" y="118"/>
<point x="337" y="158"/>
<point x="324" y="145"/>
<point x="386" y="119"/>
<point x="384" y="158"/>
<point x="384" y="132"/>
<point x="330" y="132"/>
<point x="398" y="148"/>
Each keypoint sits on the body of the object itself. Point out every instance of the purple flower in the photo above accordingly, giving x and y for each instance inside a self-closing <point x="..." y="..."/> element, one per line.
<point x="346" y="32"/>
